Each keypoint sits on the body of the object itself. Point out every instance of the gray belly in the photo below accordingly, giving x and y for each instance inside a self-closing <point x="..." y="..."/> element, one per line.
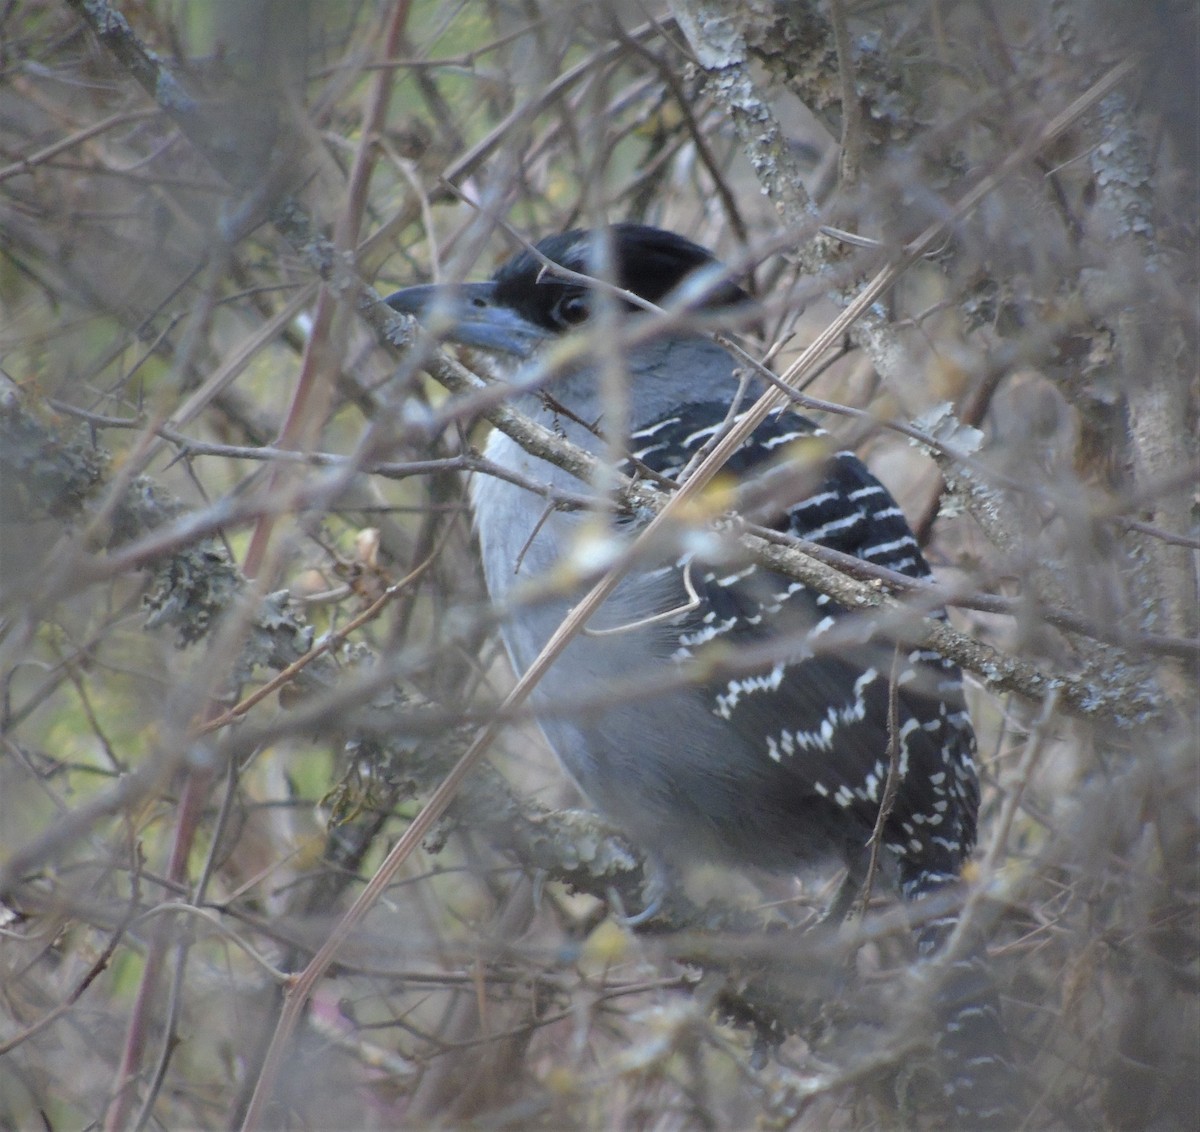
<point x="676" y="777"/>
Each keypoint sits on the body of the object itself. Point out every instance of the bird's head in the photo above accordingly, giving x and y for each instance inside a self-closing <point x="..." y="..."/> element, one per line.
<point x="527" y="302"/>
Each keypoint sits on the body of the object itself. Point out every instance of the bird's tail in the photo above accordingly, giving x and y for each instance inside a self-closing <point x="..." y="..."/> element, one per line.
<point x="981" y="1085"/>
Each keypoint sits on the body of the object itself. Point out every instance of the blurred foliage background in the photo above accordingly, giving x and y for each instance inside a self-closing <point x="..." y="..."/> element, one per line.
<point x="243" y="631"/>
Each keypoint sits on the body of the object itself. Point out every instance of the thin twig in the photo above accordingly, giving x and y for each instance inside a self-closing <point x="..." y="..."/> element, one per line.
<point x="333" y="640"/>
<point x="850" y="157"/>
<point x="28" y="164"/>
<point x="892" y="785"/>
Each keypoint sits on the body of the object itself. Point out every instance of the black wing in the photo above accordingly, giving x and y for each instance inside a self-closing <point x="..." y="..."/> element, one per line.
<point x="823" y="713"/>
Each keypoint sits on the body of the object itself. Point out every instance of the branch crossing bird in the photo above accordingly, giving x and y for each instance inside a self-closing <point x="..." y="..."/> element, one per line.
<point x="770" y="767"/>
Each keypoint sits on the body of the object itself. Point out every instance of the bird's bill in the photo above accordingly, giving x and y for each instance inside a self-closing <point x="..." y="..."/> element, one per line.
<point x="468" y="314"/>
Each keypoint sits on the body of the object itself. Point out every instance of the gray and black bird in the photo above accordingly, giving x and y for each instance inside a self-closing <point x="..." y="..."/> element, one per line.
<point x="772" y="768"/>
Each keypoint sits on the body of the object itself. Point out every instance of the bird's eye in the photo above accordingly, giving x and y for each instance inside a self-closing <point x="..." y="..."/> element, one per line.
<point x="571" y="310"/>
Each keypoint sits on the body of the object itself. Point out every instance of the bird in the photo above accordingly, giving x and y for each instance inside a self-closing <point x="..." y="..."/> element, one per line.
<point x="771" y="768"/>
